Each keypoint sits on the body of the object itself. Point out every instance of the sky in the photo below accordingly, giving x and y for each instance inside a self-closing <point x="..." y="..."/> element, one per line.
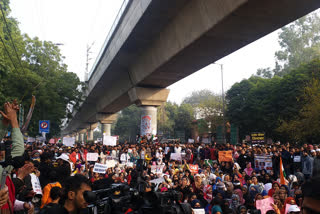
<point x="76" y="24"/>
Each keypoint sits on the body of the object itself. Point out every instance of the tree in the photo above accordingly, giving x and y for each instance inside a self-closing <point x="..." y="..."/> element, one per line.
<point x="183" y="119"/>
<point x="166" y="115"/>
<point x="128" y="123"/>
<point x="260" y="104"/>
<point x="305" y="126"/>
<point x="299" y="42"/>
<point x="38" y="70"/>
<point x="208" y="106"/>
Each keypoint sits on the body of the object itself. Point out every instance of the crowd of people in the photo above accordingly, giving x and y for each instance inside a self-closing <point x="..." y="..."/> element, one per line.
<point x="52" y="178"/>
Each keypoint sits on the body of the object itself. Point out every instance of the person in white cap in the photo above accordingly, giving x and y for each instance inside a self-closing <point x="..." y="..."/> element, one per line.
<point x="293" y="209"/>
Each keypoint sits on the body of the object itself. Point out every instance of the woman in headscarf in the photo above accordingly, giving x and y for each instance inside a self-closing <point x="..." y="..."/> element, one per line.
<point x="197" y="184"/>
<point x="218" y="180"/>
<point x="240" y="194"/>
<point x="235" y="202"/>
<point x="275" y="187"/>
<point x="253" y="191"/>
<point x="195" y="203"/>
<point x="248" y="169"/>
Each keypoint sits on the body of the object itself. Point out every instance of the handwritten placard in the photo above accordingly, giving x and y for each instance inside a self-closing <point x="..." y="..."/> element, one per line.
<point x="100" y="168"/>
<point x="92" y="156"/>
<point x="265" y="205"/>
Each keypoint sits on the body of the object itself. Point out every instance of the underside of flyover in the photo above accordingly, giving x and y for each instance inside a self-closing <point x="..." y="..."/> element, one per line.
<point x="158" y="43"/>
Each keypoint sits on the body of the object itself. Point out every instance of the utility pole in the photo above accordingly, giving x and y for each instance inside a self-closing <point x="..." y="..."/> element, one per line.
<point x="223" y="106"/>
<point x="86" y="74"/>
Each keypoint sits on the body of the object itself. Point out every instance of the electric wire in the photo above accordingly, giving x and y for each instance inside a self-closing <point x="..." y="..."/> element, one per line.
<point x="8" y="53"/>
<point x="14" y="47"/>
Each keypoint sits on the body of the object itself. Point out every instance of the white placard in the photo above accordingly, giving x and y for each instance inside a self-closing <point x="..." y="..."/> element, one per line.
<point x="68" y="141"/>
<point x="190" y="140"/>
<point x="36" y="184"/>
<point x="100" y="168"/>
<point x="175" y="156"/>
<point x="31" y="139"/>
<point x="297" y="159"/>
<point x="198" y="211"/>
<point x="157" y="181"/>
<point x="92" y="156"/>
<point x="111" y="163"/>
<point x="157" y="168"/>
<point x="129" y="164"/>
<point x="109" y="140"/>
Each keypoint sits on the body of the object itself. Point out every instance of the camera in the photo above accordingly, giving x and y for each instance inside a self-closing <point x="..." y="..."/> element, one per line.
<point x="120" y="198"/>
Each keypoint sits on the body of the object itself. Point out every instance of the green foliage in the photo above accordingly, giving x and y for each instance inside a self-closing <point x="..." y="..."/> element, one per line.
<point x="260" y="104"/>
<point x="305" y="126"/>
<point x="299" y="42"/>
<point x="128" y="123"/>
<point x="44" y="75"/>
<point x="207" y="106"/>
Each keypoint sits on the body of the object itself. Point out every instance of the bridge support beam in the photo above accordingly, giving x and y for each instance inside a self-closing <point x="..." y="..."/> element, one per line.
<point x="106" y="120"/>
<point x="106" y="129"/>
<point x="82" y="137"/>
<point x="148" y="99"/>
<point x="77" y="137"/>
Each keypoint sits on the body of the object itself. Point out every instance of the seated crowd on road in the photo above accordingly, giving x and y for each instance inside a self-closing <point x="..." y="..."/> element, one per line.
<point x="51" y="178"/>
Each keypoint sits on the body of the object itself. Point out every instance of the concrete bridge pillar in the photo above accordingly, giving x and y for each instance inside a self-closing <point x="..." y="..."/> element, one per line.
<point x="148" y="99"/>
<point x="106" y="129"/>
<point x="77" y="137"/>
<point x="90" y="135"/>
<point x="106" y="120"/>
<point x="82" y="137"/>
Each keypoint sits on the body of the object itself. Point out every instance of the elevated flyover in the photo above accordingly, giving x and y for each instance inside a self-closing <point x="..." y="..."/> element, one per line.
<point x="155" y="43"/>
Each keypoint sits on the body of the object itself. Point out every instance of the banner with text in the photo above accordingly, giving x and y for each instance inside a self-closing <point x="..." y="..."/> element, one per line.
<point x="225" y="156"/>
<point x="100" y="168"/>
<point x="263" y="162"/>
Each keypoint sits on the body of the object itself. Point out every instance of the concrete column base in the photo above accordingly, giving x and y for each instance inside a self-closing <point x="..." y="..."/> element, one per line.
<point x="148" y="123"/>
<point x="90" y="135"/>
<point x="106" y="129"/>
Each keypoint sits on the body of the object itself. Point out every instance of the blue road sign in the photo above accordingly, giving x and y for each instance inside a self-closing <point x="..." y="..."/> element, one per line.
<point x="44" y="126"/>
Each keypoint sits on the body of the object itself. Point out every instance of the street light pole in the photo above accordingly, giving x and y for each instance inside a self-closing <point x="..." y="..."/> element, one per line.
<point x="223" y="106"/>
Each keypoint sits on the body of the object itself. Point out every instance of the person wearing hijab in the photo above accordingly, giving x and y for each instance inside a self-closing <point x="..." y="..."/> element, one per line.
<point x="240" y="194"/>
<point x="195" y="203"/>
<point x="275" y="187"/>
<point x="253" y="191"/>
<point x="235" y="202"/>
<point x="248" y="169"/>
<point x="216" y="209"/>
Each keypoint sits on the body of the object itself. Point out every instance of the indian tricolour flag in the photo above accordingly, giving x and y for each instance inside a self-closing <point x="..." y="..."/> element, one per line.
<point x="282" y="173"/>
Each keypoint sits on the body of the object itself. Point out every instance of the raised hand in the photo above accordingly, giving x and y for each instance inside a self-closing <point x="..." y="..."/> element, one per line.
<point x="10" y="114"/>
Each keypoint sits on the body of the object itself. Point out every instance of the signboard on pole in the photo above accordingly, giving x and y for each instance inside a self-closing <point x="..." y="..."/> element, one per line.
<point x="44" y="126"/>
<point x="257" y="137"/>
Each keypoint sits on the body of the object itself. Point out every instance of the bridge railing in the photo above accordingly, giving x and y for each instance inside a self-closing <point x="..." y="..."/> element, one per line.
<point x="107" y="41"/>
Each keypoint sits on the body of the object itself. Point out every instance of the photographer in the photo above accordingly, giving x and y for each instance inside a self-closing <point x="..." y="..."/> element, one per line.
<point x="74" y="202"/>
<point x="8" y="202"/>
